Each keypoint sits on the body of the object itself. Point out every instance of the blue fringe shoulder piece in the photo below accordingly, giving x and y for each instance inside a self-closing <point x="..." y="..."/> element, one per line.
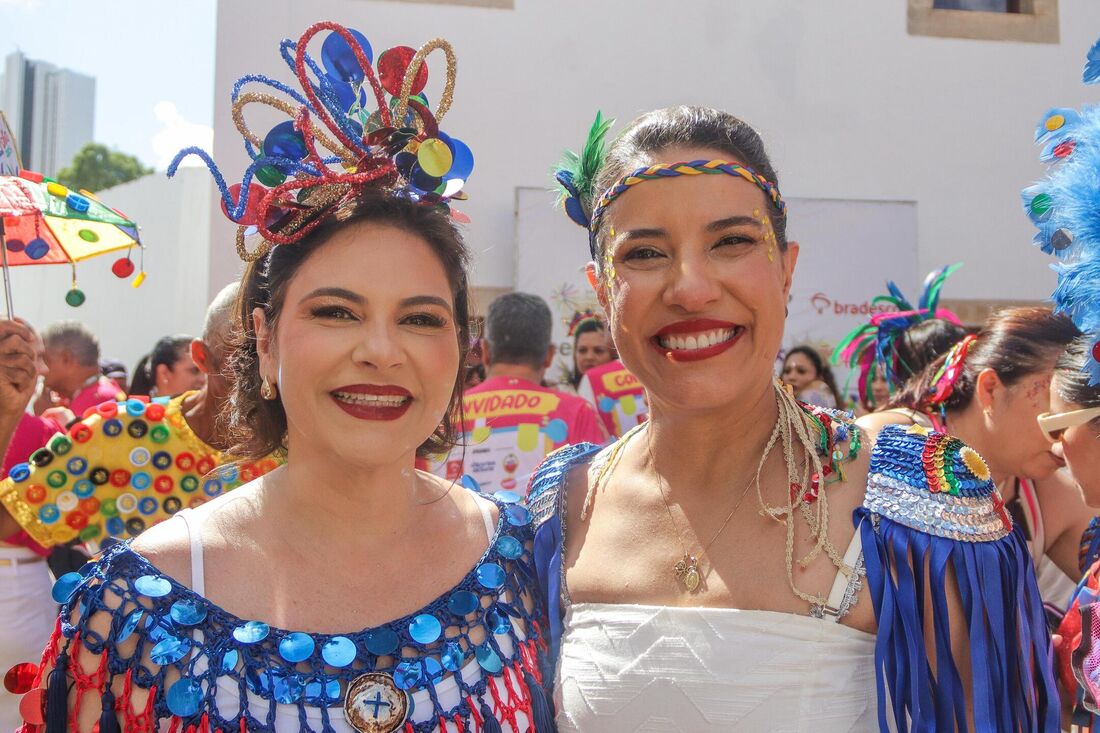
<point x="544" y="502"/>
<point x="941" y="554"/>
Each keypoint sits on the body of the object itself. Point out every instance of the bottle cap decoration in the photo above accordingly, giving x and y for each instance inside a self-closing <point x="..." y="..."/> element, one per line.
<point x="1065" y="208"/>
<point x="356" y="122"/>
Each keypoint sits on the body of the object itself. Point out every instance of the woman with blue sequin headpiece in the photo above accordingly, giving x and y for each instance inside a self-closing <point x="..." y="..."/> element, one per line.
<point x="345" y="591"/>
<point x="709" y="548"/>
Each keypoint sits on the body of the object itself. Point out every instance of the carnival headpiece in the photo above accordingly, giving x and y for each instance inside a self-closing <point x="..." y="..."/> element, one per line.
<point x="871" y="346"/>
<point x="576" y="176"/>
<point x="582" y="317"/>
<point x="348" y="128"/>
<point x="1065" y="207"/>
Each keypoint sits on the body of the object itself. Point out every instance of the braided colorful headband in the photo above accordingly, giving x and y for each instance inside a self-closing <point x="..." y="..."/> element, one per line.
<point x="943" y="383"/>
<point x="582" y="317"/>
<point x="671" y="170"/>
<point x="576" y="175"/>
<point x="291" y="187"/>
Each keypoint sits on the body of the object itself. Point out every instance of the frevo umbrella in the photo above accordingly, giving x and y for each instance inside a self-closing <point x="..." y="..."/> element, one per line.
<point x="44" y="223"/>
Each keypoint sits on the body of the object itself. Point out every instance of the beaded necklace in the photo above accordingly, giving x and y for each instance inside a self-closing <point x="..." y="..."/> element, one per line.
<point x="818" y="432"/>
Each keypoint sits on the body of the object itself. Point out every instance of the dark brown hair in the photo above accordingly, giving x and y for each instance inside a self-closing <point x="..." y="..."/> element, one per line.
<point x="824" y="371"/>
<point x="1070" y="378"/>
<point x="1015" y="343"/>
<point x="690" y="127"/>
<point x="259" y="426"/>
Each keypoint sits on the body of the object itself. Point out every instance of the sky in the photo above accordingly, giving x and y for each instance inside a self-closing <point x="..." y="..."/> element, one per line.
<point x="153" y="62"/>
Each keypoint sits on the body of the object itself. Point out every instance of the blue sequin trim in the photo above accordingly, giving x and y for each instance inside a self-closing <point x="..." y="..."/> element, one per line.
<point x="905" y="474"/>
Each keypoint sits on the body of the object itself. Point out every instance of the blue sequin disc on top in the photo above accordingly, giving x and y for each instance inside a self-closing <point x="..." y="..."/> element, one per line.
<point x="188" y="612"/>
<point x="169" y="651"/>
<point x="432" y="669"/>
<point x="452" y="656"/>
<point x="462" y="603"/>
<point x="407" y="675"/>
<point x="65" y="586"/>
<point x="152" y="586"/>
<point x="286" y="688"/>
<point x="296" y="647"/>
<point x="508" y="497"/>
<point x="488" y="659"/>
<point x="184" y="697"/>
<point x="490" y="575"/>
<point x="497" y="621"/>
<point x="230" y="659"/>
<point x="323" y="690"/>
<point x="509" y="547"/>
<point x="381" y="641"/>
<point x="339" y="652"/>
<point x="251" y="632"/>
<point x="470" y="482"/>
<point x="517" y="515"/>
<point x="425" y="628"/>
<point x="129" y="625"/>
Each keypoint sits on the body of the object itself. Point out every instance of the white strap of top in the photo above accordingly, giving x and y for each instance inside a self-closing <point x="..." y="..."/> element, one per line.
<point x="843" y="579"/>
<point x="486" y="508"/>
<point x="194" y="533"/>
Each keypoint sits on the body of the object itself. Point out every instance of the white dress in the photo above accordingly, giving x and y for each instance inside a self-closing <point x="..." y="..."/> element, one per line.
<point x="656" y="668"/>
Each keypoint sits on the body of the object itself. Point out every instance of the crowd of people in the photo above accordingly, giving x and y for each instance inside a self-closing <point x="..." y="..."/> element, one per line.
<point x="342" y="509"/>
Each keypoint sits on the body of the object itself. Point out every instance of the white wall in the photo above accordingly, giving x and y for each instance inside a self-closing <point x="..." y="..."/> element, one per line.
<point x="174" y="217"/>
<point x="852" y="106"/>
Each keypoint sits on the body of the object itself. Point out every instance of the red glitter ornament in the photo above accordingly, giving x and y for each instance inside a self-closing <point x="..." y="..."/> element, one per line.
<point x="1096" y="351"/>
<point x="123" y="268"/>
<point x="393" y="64"/>
<point x="20" y="679"/>
<point x="1065" y="149"/>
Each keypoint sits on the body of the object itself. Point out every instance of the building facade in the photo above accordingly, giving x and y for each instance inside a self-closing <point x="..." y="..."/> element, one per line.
<point x="51" y="111"/>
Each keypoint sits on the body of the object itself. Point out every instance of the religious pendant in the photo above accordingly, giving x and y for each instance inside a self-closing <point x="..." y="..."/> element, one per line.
<point x="687" y="572"/>
<point x="374" y="704"/>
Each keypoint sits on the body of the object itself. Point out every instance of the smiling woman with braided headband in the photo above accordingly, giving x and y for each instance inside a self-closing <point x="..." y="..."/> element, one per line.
<point x="703" y="569"/>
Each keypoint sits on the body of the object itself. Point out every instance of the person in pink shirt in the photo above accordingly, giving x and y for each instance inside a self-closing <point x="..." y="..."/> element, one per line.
<point x="511" y="421"/>
<point x="616" y="394"/>
<point x="26" y="606"/>
<point x="72" y="355"/>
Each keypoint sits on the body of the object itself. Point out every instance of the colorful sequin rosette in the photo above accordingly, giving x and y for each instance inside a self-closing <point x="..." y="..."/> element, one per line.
<point x="869" y="349"/>
<point x="577" y="173"/>
<point x="1065" y="208"/>
<point x="351" y="126"/>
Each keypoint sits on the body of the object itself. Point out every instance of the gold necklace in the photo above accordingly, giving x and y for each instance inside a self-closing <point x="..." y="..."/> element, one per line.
<point x="687" y="568"/>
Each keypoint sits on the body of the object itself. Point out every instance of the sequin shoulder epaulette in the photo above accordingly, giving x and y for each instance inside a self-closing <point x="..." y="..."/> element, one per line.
<point x="543" y="491"/>
<point x="121" y="469"/>
<point x="936" y="484"/>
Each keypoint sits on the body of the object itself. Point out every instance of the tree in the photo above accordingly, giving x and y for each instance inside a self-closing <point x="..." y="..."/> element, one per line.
<point x="97" y="167"/>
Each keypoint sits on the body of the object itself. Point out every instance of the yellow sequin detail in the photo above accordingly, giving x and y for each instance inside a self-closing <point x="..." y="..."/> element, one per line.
<point x="975" y="463"/>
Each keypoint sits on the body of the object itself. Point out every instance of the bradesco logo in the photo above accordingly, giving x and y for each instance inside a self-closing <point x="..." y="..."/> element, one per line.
<point x="509" y="403"/>
<point x="620" y="381"/>
<point x="824" y="305"/>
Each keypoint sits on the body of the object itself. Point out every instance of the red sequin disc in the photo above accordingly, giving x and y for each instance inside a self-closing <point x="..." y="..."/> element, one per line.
<point x="20" y="678"/>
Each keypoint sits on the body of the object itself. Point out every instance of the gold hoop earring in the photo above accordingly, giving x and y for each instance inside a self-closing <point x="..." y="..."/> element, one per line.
<point x="268" y="390"/>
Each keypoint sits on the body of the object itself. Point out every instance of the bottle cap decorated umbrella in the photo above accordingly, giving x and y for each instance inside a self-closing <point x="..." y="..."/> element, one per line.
<point x="44" y="223"/>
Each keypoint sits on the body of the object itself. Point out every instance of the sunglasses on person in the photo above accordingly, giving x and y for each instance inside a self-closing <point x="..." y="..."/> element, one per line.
<point x="1055" y="425"/>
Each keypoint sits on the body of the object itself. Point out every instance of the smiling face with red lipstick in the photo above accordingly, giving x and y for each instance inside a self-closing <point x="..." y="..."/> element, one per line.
<point x="695" y="285"/>
<point x="365" y="350"/>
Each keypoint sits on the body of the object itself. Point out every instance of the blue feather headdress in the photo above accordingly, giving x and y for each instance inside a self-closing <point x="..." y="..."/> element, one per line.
<point x="1065" y="208"/>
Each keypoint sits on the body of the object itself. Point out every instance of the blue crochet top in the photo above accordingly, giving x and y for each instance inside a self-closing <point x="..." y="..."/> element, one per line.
<point x="481" y="642"/>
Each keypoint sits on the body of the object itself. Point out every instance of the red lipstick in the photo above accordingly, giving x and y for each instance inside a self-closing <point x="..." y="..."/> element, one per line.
<point x="696" y="327"/>
<point x="373" y="401"/>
